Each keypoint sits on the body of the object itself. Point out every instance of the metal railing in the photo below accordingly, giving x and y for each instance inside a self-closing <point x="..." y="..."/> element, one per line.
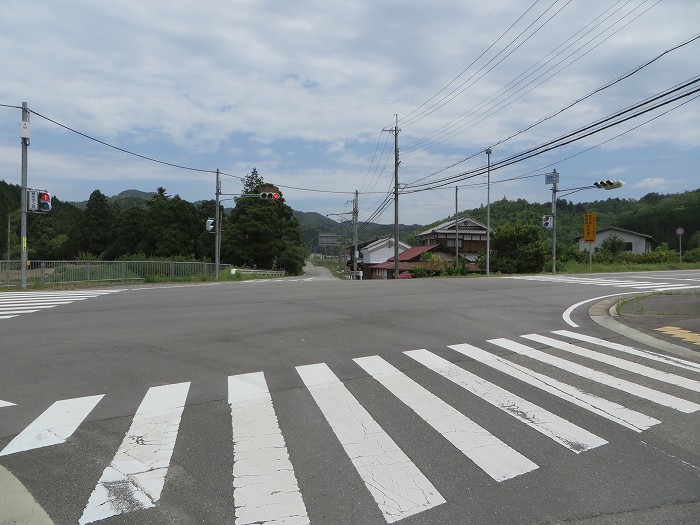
<point x="41" y="273"/>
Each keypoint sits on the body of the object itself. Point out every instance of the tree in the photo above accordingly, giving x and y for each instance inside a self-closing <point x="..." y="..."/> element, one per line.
<point x="613" y="245"/>
<point x="252" y="182"/>
<point x="516" y="248"/>
<point x="263" y="233"/>
<point x="93" y="234"/>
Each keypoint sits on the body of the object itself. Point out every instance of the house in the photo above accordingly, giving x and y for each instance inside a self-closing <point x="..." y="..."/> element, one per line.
<point x="375" y="252"/>
<point x="469" y="235"/>
<point x="635" y="242"/>
<point x="408" y="261"/>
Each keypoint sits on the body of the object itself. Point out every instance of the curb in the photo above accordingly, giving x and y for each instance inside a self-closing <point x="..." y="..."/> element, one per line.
<point x="604" y="314"/>
<point x="17" y="505"/>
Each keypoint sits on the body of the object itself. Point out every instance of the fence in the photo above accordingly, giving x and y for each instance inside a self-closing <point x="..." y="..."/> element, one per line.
<point x="59" y="272"/>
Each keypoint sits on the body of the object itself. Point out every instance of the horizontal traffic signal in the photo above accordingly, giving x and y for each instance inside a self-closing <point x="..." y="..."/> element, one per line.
<point x="608" y="184"/>
<point x="271" y="195"/>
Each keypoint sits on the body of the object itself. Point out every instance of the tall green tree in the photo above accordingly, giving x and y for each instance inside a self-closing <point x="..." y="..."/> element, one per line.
<point x="264" y="234"/>
<point x="516" y="248"/>
<point x="93" y="233"/>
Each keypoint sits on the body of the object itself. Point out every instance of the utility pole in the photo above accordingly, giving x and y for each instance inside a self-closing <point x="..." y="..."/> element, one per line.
<point x="355" y="213"/>
<point x="456" y="230"/>
<point x="24" y="133"/>
<point x="217" y="227"/>
<point x="396" y="198"/>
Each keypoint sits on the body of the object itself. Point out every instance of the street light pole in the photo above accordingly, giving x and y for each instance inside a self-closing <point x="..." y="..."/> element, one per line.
<point x="488" y="212"/>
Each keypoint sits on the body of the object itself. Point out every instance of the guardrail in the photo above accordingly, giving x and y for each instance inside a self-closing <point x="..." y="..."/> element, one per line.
<point x="65" y="272"/>
<point x="274" y="273"/>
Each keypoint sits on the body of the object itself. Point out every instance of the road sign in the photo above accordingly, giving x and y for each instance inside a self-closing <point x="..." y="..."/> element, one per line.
<point x="551" y="178"/>
<point x="589" y="227"/>
<point x="680" y="231"/>
<point x="32" y="200"/>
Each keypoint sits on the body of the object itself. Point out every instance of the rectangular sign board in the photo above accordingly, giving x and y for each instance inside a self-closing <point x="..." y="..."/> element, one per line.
<point x="328" y="239"/>
<point x="551" y="178"/>
<point x="589" y="227"/>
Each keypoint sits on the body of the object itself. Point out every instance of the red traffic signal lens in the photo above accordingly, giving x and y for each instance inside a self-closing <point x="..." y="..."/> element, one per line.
<point x="275" y="196"/>
<point x="44" y="197"/>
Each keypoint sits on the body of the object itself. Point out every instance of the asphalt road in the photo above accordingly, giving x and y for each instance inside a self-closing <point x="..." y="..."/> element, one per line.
<point x="409" y="401"/>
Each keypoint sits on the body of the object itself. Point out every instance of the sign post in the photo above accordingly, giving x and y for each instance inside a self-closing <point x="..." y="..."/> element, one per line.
<point x="680" y="231"/>
<point x="589" y="232"/>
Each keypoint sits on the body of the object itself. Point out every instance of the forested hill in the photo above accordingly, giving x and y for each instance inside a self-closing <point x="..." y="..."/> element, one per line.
<point x="654" y="214"/>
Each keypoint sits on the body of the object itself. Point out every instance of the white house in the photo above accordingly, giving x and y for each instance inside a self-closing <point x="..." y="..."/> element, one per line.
<point x="635" y="242"/>
<point x="380" y="251"/>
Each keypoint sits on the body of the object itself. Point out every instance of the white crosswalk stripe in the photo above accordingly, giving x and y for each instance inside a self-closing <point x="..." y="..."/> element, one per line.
<point x="635" y="389"/>
<point x="265" y="488"/>
<point x="13" y="304"/>
<point x="396" y="484"/>
<point x="559" y="429"/>
<point x="135" y="478"/>
<point x="492" y="455"/>
<point x="604" y="281"/>
<point x="6" y="404"/>
<point x="54" y="426"/>
<point x="596" y="404"/>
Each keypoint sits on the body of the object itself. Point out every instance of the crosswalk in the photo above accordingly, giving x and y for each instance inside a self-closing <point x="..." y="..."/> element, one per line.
<point x="13" y="304"/>
<point x="621" y="282"/>
<point x="264" y="485"/>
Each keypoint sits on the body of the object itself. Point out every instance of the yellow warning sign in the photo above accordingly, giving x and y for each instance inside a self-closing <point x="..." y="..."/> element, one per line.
<point x="589" y="227"/>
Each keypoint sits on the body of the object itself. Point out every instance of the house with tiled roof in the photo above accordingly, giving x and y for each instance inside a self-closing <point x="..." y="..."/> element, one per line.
<point x="465" y="237"/>
<point x="408" y="261"/>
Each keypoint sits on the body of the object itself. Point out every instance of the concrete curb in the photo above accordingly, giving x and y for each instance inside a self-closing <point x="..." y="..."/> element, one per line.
<point x="604" y="313"/>
<point x="17" y="505"/>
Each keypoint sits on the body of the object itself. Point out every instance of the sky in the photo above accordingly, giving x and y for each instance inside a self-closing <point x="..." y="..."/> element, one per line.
<point x="315" y="94"/>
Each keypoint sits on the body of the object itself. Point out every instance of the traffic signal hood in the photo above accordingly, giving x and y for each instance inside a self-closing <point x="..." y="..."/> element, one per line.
<point x="608" y="184"/>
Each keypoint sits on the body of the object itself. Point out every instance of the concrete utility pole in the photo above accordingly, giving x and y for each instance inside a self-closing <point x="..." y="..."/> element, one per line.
<point x="456" y="230"/>
<point x="555" y="180"/>
<point x="396" y="198"/>
<point x="24" y="133"/>
<point x="217" y="227"/>
<point x="355" y="213"/>
<point x="488" y="212"/>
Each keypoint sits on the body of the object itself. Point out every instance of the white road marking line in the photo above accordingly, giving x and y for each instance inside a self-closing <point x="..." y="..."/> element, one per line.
<point x="396" y="484"/>
<point x="603" y="407"/>
<point x="135" y="478"/>
<point x="629" y="387"/>
<point x="55" y="425"/>
<point x="265" y="489"/>
<point x="646" y="354"/>
<point x="556" y="428"/>
<point x="6" y="404"/>
<point x="567" y="313"/>
<point x="492" y="455"/>
<point x="616" y="362"/>
<point x="15" y="312"/>
<point x="9" y="316"/>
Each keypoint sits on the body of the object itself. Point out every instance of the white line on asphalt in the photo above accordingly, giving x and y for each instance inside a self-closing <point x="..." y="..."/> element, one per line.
<point x="135" y="478"/>
<point x="6" y="404"/>
<point x="265" y="489"/>
<point x="603" y="407"/>
<point x="559" y="429"/>
<point x="14" y="312"/>
<point x="646" y="354"/>
<point x="396" y="484"/>
<point x="567" y="313"/>
<point x="629" y="387"/>
<point x="492" y="455"/>
<point x="616" y="362"/>
<point x="55" y="425"/>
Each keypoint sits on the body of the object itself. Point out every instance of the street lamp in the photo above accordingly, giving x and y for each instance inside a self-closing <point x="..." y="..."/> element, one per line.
<point x="488" y="212"/>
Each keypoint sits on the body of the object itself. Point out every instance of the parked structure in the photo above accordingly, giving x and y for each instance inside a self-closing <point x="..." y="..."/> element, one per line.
<point x="634" y="242"/>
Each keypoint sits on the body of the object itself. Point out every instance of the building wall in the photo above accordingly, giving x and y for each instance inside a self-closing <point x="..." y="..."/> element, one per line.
<point x="635" y="243"/>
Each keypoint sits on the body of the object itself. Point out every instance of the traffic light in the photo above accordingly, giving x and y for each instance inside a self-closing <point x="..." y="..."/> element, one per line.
<point x="210" y="225"/>
<point x="271" y="195"/>
<point x="44" y="201"/>
<point x="548" y="222"/>
<point x="608" y="184"/>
